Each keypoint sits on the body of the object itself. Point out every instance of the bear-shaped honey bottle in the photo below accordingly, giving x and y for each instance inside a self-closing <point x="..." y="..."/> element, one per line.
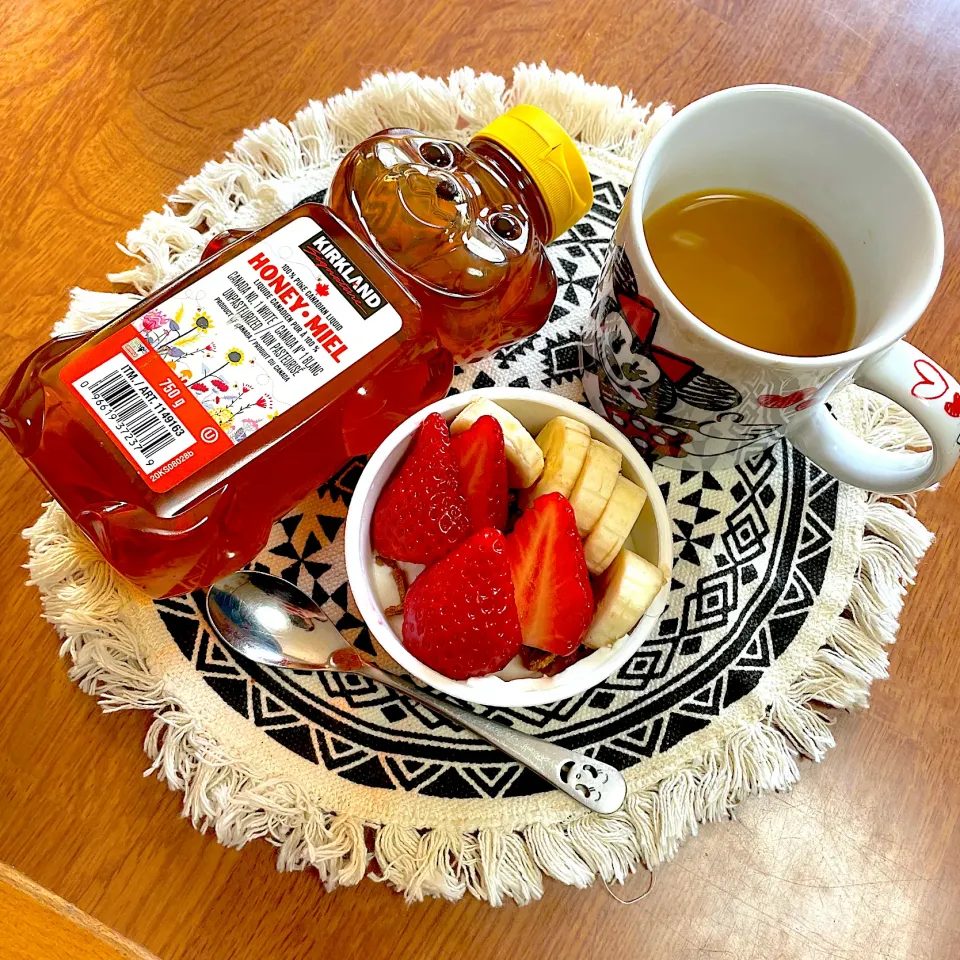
<point x="466" y="227"/>
<point x="177" y="434"/>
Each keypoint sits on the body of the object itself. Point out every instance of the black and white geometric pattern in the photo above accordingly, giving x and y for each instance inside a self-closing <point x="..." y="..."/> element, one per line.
<point x="751" y="547"/>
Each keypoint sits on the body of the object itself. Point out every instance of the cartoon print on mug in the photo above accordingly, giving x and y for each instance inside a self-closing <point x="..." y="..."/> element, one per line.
<point x="777" y="397"/>
<point x="652" y="439"/>
<point x="657" y="397"/>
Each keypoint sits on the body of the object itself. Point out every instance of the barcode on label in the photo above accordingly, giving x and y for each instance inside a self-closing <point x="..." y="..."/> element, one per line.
<point x="134" y="413"/>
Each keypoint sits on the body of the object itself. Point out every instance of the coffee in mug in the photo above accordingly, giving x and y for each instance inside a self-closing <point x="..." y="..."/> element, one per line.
<point x="755" y="270"/>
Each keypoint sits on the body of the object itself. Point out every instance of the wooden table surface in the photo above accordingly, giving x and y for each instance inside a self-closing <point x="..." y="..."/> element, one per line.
<point x="106" y="107"/>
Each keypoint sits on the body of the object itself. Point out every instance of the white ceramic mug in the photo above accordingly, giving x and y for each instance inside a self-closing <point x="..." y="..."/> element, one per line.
<point x="693" y="398"/>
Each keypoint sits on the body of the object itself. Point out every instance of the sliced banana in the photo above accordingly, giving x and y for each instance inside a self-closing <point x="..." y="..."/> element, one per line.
<point x="626" y="589"/>
<point x="594" y="486"/>
<point x="614" y="525"/>
<point x="524" y="457"/>
<point x="564" y="443"/>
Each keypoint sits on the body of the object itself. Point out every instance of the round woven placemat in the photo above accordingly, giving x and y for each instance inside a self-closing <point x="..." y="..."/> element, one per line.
<point x="786" y="590"/>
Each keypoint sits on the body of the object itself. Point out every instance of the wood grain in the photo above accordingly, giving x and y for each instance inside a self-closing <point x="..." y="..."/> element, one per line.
<point x="39" y="925"/>
<point x="107" y="107"/>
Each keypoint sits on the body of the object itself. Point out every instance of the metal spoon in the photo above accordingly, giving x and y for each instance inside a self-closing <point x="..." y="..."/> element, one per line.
<point x="269" y="620"/>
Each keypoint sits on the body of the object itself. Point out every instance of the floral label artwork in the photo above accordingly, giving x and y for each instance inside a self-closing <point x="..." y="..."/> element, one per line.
<point x="214" y="376"/>
<point x="221" y="358"/>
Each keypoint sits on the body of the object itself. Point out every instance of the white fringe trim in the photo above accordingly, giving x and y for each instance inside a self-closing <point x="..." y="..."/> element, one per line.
<point x="90" y="605"/>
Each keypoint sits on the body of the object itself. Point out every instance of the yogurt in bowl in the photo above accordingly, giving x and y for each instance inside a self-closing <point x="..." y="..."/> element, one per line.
<point x="374" y="590"/>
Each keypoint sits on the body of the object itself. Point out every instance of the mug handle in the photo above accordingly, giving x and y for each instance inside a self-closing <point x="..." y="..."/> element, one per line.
<point x="910" y="378"/>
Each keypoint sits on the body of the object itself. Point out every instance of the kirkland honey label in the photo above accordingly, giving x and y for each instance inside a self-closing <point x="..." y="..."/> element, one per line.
<point x="361" y="294"/>
<point x="221" y="358"/>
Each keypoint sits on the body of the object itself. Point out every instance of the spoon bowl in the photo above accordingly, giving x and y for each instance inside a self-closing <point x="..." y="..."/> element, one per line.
<point x="268" y="619"/>
<point x="271" y="621"/>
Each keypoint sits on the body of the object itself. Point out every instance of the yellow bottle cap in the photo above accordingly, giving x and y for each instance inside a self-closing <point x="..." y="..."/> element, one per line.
<point x="549" y="154"/>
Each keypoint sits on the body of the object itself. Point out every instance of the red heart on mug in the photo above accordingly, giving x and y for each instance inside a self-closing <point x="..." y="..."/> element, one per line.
<point x="932" y="384"/>
<point x="952" y="407"/>
<point x="787" y="400"/>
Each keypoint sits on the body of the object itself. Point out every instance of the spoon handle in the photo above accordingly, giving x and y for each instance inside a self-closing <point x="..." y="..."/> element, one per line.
<point x="597" y="785"/>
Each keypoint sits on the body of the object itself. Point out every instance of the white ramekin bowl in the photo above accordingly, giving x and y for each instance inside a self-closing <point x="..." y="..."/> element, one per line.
<point x="651" y="538"/>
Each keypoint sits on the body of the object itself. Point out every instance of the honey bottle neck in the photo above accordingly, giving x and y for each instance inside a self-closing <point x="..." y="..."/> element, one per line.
<point x="511" y="170"/>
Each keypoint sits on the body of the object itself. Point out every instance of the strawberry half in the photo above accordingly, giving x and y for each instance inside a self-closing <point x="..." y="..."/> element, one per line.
<point x="459" y="617"/>
<point x="550" y="578"/>
<point x="421" y="514"/>
<point x="479" y="452"/>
